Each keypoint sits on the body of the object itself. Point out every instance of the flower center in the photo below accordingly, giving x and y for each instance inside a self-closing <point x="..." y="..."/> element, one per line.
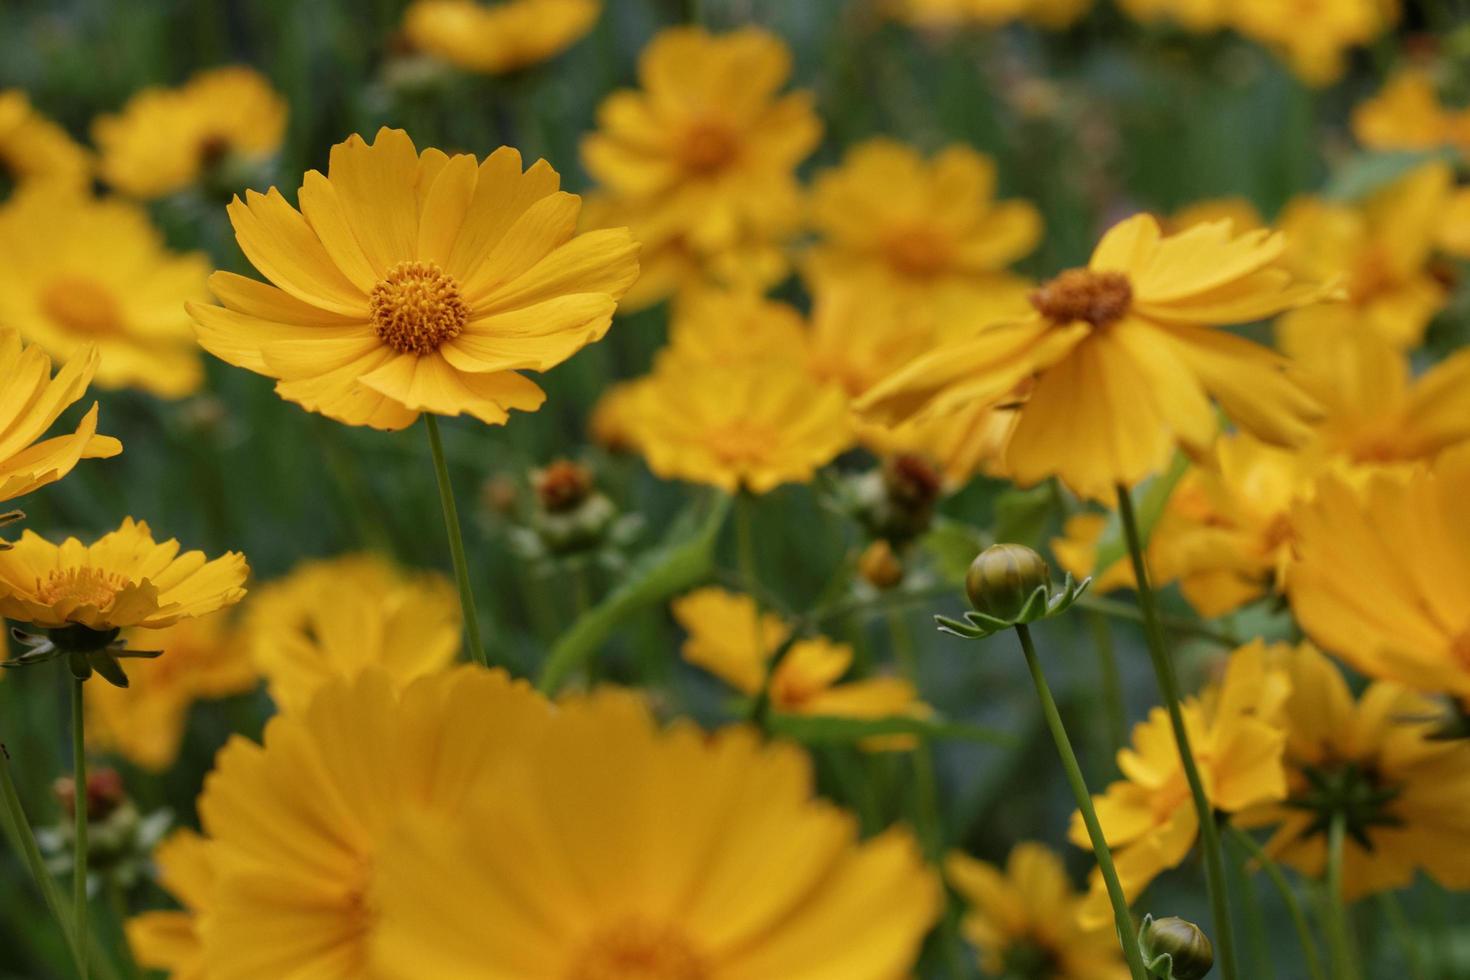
<point x="708" y="148"/>
<point x="78" y="587"/>
<point x="638" y="950"/>
<point x="918" y="252"/>
<point x="740" y="442"/>
<point x="81" y="306"/>
<point x="1098" y="298"/>
<point x="417" y="308"/>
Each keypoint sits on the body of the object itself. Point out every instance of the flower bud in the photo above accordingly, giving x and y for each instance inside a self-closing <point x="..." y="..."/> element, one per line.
<point x="562" y="486"/>
<point x="879" y="566"/>
<point x="105" y="793"/>
<point x="1003" y="577"/>
<point x="1183" y="942"/>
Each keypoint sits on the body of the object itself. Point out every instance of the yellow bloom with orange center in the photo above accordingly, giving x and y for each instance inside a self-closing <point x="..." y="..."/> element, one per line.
<point x="1407" y="114"/>
<point x="415" y="282"/>
<point x="30" y="403"/>
<point x="342" y="616"/>
<point x="1024" y="916"/>
<point x="1313" y="37"/>
<point x="1148" y="817"/>
<point x="169" y="940"/>
<point x="35" y="149"/>
<point x="122" y="579"/>
<point x="1125" y="358"/>
<point x="78" y="273"/>
<point x="501" y="37"/>
<point x="145" y="723"/>
<point x="1403" y="794"/>
<point x="166" y="139"/>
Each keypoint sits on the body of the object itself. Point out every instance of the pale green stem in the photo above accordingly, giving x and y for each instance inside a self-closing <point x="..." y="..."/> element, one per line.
<point x="80" y="914"/>
<point x="456" y="542"/>
<point x="1112" y="687"/>
<point x="1408" y="942"/>
<point x="1339" y="937"/>
<point x="1288" y="898"/>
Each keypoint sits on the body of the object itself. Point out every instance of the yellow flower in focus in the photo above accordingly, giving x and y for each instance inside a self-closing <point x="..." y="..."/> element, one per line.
<point x="33" y="149"/>
<point x="1199" y="16"/>
<point x="1382" y="574"/>
<point x="1148" y="817"/>
<point x="167" y="139"/>
<point x="415" y="283"/>
<point x="339" y="617"/>
<point x="1381" y="248"/>
<point x="144" y="723"/>
<point x="78" y="272"/>
<point x="1125" y="358"/>
<point x="1407" y="114"/>
<point x="170" y="940"/>
<point x="617" y="849"/>
<point x="1312" y="36"/>
<point x="122" y="579"/>
<point x="733" y="328"/>
<point x="1410" y="791"/>
<point x="1023" y="918"/>
<point x="501" y="37"/>
<point x="31" y="404"/>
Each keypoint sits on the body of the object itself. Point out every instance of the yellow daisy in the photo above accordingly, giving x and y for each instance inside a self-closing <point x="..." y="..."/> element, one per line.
<point x="1238" y="210"/>
<point x="166" y="139"/>
<point x="415" y="283"/>
<point x="614" y="848"/>
<point x="1313" y="37"/>
<point x="1023" y="918"/>
<point x="122" y="579"/>
<point x="501" y="37"/>
<point x="731" y="327"/>
<point x="145" y="724"/>
<point x="1407" y="114"/>
<point x="31" y="402"/>
<point x="169" y="940"/>
<point x="1125" y="357"/>
<point x="339" y="617"/>
<point x="35" y="149"/>
<point x="1404" y="794"/>
<point x="78" y="273"/>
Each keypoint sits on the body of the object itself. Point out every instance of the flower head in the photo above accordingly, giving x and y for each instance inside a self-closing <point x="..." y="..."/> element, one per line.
<point x="415" y="282"/>
<point x="170" y="940"/>
<point x="1313" y="37"/>
<point x="33" y="149"/>
<point x="735" y="327"/>
<point x="1407" y="114"/>
<point x="499" y="38"/>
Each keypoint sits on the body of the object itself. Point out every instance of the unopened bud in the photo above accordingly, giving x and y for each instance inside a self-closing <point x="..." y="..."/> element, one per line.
<point x="879" y="566"/>
<point x="1003" y="577"/>
<point x="105" y="793"/>
<point x="562" y="486"/>
<point x="1186" y="945"/>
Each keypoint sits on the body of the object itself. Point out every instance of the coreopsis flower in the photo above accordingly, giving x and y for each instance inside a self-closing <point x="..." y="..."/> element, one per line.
<point x="962" y="443"/>
<point x="751" y="426"/>
<point x="1148" y="817"/>
<point x="501" y="37"/>
<point x="206" y="658"/>
<point x="1381" y="575"/>
<point x="1380" y="248"/>
<point x="166" y="139"/>
<point x="1404" y="795"/>
<point x="78" y="272"/>
<point x="33" y="149"/>
<point x="415" y="282"/>
<point x="342" y="616"/>
<point x="1023" y="918"/>
<point x="1407" y="114"/>
<point x="1076" y="552"/>
<point x="1200" y="16"/>
<point x="705" y="151"/>
<point x="1125" y="359"/>
<point x="1454" y="227"/>
<point x="730" y="327"/>
<point x="169" y="940"/>
<point x="729" y="637"/>
<point x="33" y="401"/>
<point x="1314" y="38"/>
<point x="1241" y="213"/>
<point x="641" y="850"/>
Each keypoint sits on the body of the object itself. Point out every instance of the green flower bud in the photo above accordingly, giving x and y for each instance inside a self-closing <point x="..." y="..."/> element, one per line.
<point x="1187" y="947"/>
<point x="1003" y="577"/>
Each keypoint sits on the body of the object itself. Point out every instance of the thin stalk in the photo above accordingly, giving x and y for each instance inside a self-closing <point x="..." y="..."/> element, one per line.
<point x="1176" y="624"/>
<point x="1263" y="964"/>
<point x="1169" y="686"/>
<point x="1288" y="898"/>
<point x="118" y="903"/>
<point x="1127" y="934"/>
<point x="456" y="542"/>
<point x="745" y="542"/>
<point x="80" y="914"/>
<point x="1112" y="687"/>
<point x="1339" y="939"/>
<point x="1408" y="942"/>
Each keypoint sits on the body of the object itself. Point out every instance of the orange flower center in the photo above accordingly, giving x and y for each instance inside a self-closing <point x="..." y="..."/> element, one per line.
<point x="708" y="147"/>
<point x="77" y="587"/>
<point x="919" y="252"/>
<point x="740" y="442"/>
<point x="1371" y="275"/>
<point x="417" y="308"/>
<point x="1098" y="298"/>
<point x="638" y="950"/>
<point x="81" y="306"/>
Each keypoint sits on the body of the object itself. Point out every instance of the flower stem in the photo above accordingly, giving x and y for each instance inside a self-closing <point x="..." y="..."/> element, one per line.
<point x="1169" y="686"/>
<point x="1288" y="898"/>
<point x="1127" y="935"/>
<point x="1407" y="940"/>
<point x="1112" y="687"/>
<point x="1339" y="939"/>
<point x="456" y="542"/>
<point x="80" y="914"/>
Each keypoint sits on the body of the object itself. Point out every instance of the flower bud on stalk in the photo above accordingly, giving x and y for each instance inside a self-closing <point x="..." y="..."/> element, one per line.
<point x="1175" y="949"/>
<point x="1003" y="577"/>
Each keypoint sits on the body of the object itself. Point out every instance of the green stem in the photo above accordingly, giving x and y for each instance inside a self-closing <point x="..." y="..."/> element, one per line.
<point x="1407" y="941"/>
<point x="745" y="543"/>
<point x="1127" y="934"/>
<point x="1339" y="938"/>
<point x="1263" y="964"/>
<point x="456" y="542"/>
<point x="1176" y="624"/>
<point x="1112" y="687"/>
<point x="118" y="902"/>
<point x="80" y="914"/>
<point x="1169" y="686"/>
<point x="1288" y="898"/>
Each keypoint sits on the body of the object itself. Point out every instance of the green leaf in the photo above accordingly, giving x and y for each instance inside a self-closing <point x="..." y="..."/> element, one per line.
<point x="684" y="558"/>
<point x="954" y="544"/>
<point x="826" y="730"/>
<point x="1367" y="172"/>
<point x="1149" y="508"/>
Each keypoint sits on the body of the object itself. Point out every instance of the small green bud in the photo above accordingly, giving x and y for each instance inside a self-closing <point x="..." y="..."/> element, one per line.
<point x="1003" y="577"/>
<point x="1187" y="947"/>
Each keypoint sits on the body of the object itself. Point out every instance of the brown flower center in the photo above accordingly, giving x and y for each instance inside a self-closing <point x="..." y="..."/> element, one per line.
<point x="417" y="308"/>
<point x="708" y="147"/>
<point x="80" y="587"/>
<point x="81" y="306"/>
<point x="1098" y="298"/>
<point x="638" y="950"/>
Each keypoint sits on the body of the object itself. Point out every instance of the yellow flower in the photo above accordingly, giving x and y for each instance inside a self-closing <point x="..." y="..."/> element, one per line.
<point x="705" y="151"/>
<point x="1199" y="16"/>
<point x="1314" y="37"/>
<point x="1023" y="918"/>
<point x="728" y="639"/>
<point x="77" y="272"/>
<point x="145" y="723"/>
<point x="31" y="403"/>
<point x="167" y="139"/>
<point x="499" y="38"/>
<point x="1412" y="791"/>
<point x="1125" y="359"/>
<point x="755" y="426"/>
<point x="733" y="328"/>
<point x="1382" y="574"/>
<point x="170" y="940"/>
<point x="35" y="149"/>
<point x="415" y="283"/>
<point x="1381" y="248"/>
<point x="616" y="849"/>
<point x="1148" y="817"/>
<point x="1076" y="552"/>
<point x="1454" y="227"/>
<point x="1407" y="114"/>
<point x="1238" y="210"/>
<point x="339" y="617"/>
<point x="938" y="14"/>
